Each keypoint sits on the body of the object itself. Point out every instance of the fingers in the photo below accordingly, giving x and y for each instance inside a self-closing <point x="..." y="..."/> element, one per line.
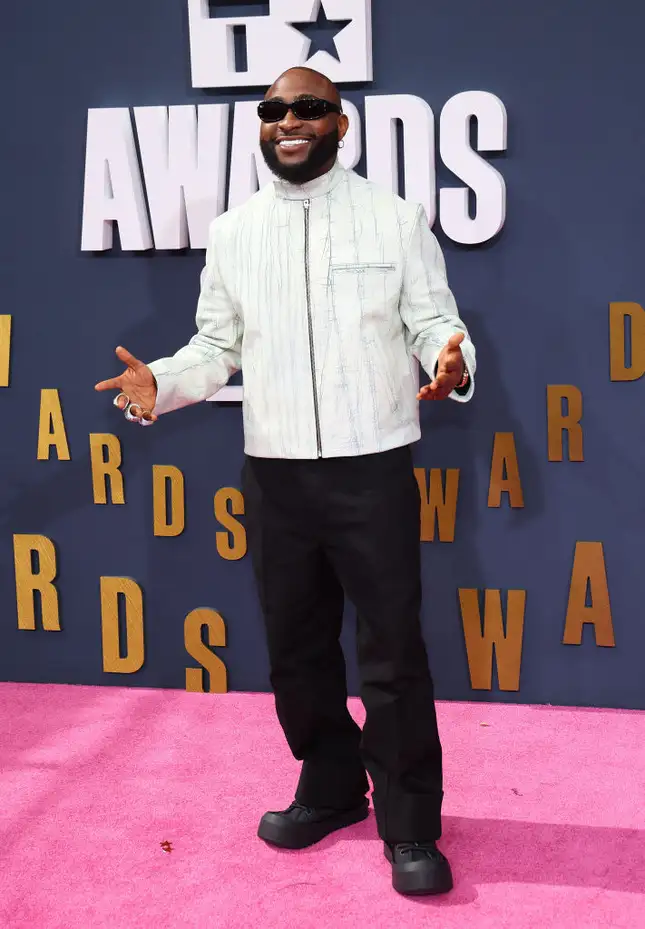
<point x="113" y="383"/>
<point x="124" y="355"/>
<point x="133" y="411"/>
<point x="138" y="412"/>
<point x="440" y="388"/>
<point x="451" y="356"/>
<point x="430" y="392"/>
<point x="451" y="363"/>
<point x="443" y="379"/>
<point x="451" y="359"/>
<point x="117" y="383"/>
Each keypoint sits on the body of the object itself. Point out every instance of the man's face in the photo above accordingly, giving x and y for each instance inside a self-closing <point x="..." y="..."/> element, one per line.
<point x="298" y="150"/>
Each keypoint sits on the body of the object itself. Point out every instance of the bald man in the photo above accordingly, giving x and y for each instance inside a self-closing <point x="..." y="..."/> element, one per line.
<point x="327" y="290"/>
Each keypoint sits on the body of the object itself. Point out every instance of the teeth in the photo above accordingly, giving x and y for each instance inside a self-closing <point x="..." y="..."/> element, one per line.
<point x="288" y="143"/>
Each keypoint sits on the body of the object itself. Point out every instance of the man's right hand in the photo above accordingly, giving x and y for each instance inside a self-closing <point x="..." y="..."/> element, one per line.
<point x="137" y="383"/>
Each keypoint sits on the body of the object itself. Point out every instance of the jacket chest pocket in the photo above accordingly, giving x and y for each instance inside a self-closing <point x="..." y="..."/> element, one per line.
<point x="369" y="288"/>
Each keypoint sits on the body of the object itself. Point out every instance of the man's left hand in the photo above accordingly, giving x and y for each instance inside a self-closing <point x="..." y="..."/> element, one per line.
<point x="450" y="371"/>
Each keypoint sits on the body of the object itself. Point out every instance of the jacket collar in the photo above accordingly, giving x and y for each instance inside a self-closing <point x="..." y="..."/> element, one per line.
<point x="317" y="188"/>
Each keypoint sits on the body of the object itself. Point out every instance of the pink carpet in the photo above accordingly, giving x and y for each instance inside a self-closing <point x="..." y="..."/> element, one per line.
<point x="544" y="819"/>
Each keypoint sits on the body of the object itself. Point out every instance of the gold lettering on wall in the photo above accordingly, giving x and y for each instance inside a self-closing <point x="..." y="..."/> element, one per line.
<point x="619" y="314"/>
<point x="231" y="544"/>
<point x="105" y="456"/>
<point x="589" y="576"/>
<point x="438" y="503"/>
<point x="5" y="350"/>
<point x="51" y="428"/>
<point x="216" y="630"/>
<point x="113" y="590"/>
<point x="559" y="421"/>
<point x="507" y="644"/>
<point x="505" y="472"/>
<point x="166" y="479"/>
<point x="41" y="580"/>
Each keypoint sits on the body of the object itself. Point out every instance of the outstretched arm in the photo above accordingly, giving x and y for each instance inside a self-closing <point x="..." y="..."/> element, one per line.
<point x="212" y="356"/>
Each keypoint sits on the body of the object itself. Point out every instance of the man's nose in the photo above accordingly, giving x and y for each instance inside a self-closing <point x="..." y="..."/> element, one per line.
<point x="290" y="122"/>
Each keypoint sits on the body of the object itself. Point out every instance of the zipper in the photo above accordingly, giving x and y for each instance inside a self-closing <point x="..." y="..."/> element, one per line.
<point x="312" y="356"/>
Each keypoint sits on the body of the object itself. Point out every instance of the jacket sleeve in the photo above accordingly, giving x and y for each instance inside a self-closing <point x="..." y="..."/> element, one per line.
<point x="427" y="305"/>
<point x="212" y="356"/>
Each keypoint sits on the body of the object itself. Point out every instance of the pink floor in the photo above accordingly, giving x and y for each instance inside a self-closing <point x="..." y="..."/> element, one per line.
<point x="544" y="819"/>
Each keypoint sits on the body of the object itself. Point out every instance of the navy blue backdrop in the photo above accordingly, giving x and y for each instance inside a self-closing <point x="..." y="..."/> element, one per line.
<point x="536" y="299"/>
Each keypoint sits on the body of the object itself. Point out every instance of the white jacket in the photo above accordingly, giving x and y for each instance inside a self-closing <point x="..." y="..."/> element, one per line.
<point x="325" y="294"/>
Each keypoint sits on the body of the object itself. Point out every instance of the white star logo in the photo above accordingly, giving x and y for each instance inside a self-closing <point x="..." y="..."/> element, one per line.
<point x="252" y="50"/>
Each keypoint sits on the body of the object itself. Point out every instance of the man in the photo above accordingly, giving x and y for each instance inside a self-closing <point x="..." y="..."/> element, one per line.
<point x="325" y="289"/>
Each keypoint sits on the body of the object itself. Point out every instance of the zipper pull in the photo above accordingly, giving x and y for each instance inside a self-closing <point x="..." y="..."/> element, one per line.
<point x="306" y="204"/>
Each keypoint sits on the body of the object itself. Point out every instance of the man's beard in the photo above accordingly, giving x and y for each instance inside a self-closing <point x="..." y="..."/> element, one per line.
<point x="323" y="152"/>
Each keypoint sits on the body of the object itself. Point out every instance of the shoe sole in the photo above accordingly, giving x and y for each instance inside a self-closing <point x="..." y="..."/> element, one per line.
<point x="412" y="879"/>
<point x="273" y="830"/>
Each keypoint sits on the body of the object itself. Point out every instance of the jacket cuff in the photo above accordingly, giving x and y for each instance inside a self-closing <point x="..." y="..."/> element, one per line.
<point x="163" y="403"/>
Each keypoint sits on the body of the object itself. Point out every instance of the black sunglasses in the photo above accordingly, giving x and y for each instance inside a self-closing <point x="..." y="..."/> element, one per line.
<point x="273" y="111"/>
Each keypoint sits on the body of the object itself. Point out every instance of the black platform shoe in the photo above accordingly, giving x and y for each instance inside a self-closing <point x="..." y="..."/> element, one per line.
<point x="418" y="868"/>
<point x="300" y="826"/>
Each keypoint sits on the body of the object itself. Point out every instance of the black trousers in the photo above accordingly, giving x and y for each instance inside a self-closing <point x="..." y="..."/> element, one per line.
<point x="318" y="530"/>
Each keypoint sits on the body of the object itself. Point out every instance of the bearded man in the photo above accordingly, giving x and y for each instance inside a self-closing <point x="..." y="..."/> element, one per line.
<point x="326" y="290"/>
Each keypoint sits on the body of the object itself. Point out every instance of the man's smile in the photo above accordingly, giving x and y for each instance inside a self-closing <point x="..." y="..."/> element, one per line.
<point x="293" y="143"/>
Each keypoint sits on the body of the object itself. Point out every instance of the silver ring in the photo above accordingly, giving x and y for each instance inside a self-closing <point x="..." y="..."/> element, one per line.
<point x="128" y="415"/>
<point x="118" y="397"/>
<point x="146" y="422"/>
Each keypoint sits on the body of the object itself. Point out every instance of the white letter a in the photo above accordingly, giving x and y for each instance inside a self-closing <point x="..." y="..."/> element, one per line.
<point x="113" y="186"/>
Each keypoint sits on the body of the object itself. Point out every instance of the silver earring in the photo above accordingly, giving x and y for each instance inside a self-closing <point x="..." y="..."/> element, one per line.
<point x="341" y="143"/>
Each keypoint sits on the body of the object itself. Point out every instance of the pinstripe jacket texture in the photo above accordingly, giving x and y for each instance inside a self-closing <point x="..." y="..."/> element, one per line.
<point x="326" y="295"/>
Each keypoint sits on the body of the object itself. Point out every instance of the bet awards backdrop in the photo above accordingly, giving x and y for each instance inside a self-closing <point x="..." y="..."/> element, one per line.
<point x="127" y="127"/>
